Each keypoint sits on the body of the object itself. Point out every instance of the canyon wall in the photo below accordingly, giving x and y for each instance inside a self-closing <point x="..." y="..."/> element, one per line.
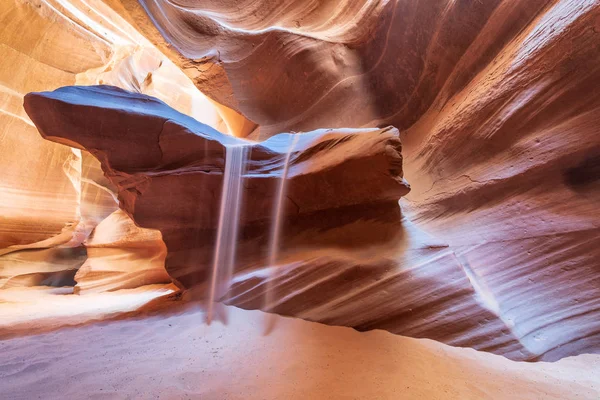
<point x="59" y="219"/>
<point x="169" y="169"/>
<point x="494" y="248"/>
<point x="499" y="113"/>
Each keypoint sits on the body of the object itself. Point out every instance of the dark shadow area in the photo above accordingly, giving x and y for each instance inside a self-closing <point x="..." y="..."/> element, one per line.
<point x="585" y="174"/>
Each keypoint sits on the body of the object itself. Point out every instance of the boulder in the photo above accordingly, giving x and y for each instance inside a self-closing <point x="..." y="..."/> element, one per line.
<point x="168" y="168"/>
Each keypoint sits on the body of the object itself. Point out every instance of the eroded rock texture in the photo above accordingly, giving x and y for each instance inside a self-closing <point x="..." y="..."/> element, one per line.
<point x="497" y="103"/>
<point x="287" y="65"/>
<point x="169" y="169"/>
<point x="52" y="197"/>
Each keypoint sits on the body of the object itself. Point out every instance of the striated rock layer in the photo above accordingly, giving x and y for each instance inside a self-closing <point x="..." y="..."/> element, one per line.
<point x="495" y="247"/>
<point x="169" y="169"/>
<point x="52" y="198"/>
<point x="389" y="61"/>
<point x="499" y="116"/>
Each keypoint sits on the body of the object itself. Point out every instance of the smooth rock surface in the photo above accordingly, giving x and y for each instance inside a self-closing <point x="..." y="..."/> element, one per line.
<point x="53" y="197"/>
<point x="499" y="116"/>
<point x="168" y="168"/>
<point x="498" y="112"/>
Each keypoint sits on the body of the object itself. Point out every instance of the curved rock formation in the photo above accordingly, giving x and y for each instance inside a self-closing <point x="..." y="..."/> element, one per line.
<point x="386" y="60"/>
<point x="499" y="117"/>
<point x="121" y="255"/>
<point x="495" y="247"/>
<point x="169" y="169"/>
<point x="51" y="197"/>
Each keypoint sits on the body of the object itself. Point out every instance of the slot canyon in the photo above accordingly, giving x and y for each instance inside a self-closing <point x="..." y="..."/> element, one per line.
<point x="300" y="199"/>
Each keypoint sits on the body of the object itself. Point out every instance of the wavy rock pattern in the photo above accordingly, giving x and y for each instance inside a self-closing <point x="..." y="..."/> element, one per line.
<point x="52" y="197"/>
<point x="496" y="245"/>
<point x="387" y="61"/>
<point x="169" y="169"/>
<point x="499" y="119"/>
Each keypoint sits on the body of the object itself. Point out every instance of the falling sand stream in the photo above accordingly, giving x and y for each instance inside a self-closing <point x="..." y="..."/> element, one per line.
<point x="227" y="231"/>
<point x="275" y="235"/>
<point x="228" y="228"/>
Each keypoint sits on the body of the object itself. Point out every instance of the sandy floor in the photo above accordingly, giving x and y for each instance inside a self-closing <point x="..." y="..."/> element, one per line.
<point x="176" y="356"/>
<point x="40" y="309"/>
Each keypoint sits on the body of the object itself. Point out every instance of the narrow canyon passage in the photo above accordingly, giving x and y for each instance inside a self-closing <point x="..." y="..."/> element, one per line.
<point x="300" y="199"/>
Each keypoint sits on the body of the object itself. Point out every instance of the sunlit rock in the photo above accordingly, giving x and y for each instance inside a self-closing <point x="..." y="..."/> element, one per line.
<point x="495" y="246"/>
<point x="498" y="116"/>
<point x="53" y="197"/>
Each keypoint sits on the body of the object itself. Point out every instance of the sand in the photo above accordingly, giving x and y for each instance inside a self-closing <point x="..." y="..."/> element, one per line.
<point x="176" y="356"/>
